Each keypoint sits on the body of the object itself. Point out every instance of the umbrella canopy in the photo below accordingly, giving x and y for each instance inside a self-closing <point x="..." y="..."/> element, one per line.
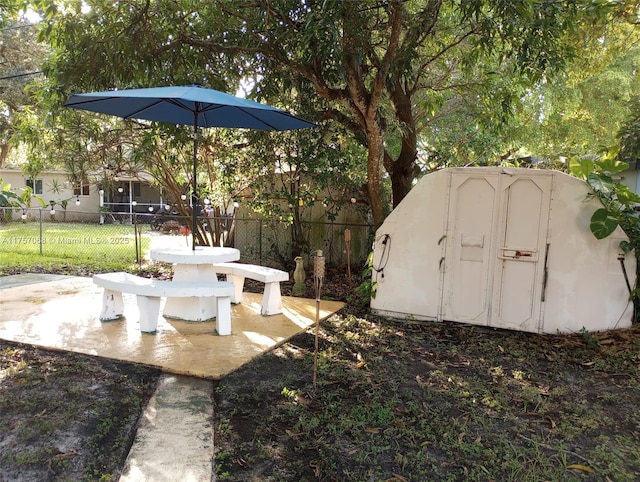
<point x="189" y="105"/>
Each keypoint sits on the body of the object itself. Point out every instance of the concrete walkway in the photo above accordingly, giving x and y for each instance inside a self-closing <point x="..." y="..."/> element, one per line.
<point x="175" y="439"/>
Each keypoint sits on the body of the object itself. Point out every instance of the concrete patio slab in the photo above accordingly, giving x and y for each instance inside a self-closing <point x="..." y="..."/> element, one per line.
<point x="62" y="313"/>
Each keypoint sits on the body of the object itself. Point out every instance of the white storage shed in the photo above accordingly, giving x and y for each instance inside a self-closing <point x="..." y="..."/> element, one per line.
<point x="501" y="247"/>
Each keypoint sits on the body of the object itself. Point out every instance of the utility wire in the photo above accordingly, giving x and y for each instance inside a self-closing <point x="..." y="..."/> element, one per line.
<point x="15" y="76"/>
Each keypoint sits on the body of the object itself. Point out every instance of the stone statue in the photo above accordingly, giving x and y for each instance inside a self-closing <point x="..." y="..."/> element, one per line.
<point x="299" y="276"/>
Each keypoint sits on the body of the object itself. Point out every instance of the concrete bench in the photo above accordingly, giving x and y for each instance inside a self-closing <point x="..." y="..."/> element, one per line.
<point x="237" y="272"/>
<point x="150" y="291"/>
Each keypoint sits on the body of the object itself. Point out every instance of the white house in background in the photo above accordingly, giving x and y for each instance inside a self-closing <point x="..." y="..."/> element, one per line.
<point x="126" y="195"/>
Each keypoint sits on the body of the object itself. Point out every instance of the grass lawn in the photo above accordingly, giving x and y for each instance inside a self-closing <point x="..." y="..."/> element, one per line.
<point x="111" y="247"/>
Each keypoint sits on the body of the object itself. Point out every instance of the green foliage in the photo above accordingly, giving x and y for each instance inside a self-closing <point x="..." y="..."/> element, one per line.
<point x="602" y="182"/>
<point x="366" y="291"/>
<point x="603" y="223"/>
<point x="629" y="138"/>
<point x="8" y="198"/>
<point x="589" y="339"/>
<point x="580" y="111"/>
<point x="20" y="65"/>
<point x="28" y="197"/>
<point x="619" y="203"/>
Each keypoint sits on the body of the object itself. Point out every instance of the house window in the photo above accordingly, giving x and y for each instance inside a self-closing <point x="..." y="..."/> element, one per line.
<point x="81" y="189"/>
<point x="136" y="189"/>
<point x="35" y="185"/>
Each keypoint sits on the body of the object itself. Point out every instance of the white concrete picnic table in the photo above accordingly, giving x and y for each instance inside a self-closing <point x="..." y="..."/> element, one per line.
<point x="193" y="265"/>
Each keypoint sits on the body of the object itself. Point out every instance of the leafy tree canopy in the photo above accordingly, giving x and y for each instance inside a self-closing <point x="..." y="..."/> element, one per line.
<point x="387" y="72"/>
<point x="581" y="111"/>
<point x="20" y="62"/>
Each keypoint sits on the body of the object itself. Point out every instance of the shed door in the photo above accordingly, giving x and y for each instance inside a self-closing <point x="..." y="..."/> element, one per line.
<point x="496" y="239"/>
<point x="471" y="220"/>
<point x="521" y="251"/>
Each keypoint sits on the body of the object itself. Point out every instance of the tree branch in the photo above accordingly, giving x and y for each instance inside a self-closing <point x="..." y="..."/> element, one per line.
<point x="390" y="54"/>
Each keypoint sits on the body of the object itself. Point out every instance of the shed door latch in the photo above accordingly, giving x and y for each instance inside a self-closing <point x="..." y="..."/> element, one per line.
<point x="518" y="254"/>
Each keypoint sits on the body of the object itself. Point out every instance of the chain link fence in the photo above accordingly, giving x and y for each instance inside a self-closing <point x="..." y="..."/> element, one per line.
<point x="74" y="236"/>
<point x="128" y="237"/>
<point x="271" y="242"/>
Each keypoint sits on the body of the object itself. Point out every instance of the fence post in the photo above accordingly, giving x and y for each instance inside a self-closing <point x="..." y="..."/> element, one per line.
<point x="347" y="242"/>
<point x="40" y="230"/>
<point x="135" y="235"/>
<point x="260" y="237"/>
<point x="101" y="193"/>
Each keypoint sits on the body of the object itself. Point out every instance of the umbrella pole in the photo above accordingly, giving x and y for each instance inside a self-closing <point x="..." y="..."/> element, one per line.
<point x="194" y="195"/>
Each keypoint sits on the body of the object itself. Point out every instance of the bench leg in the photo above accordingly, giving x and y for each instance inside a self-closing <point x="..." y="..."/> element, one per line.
<point x="223" y="315"/>
<point x="112" y="305"/>
<point x="238" y="287"/>
<point x="271" y="299"/>
<point x="149" y="308"/>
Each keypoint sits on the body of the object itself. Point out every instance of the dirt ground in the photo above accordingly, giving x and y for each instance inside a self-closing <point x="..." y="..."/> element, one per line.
<point x="401" y="402"/>
<point x="382" y="401"/>
<point x="67" y="416"/>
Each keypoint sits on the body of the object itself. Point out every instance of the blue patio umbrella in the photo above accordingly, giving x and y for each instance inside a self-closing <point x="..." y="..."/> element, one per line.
<point x="192" y="105"/>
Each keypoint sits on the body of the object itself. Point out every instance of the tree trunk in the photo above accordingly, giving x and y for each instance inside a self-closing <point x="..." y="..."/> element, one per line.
<point x="401" y="179"/>
<point x="634" y="295"/>
<point x="376" y="154"/>
<point x="4" y="152"/>
<point x="404" y="169"/>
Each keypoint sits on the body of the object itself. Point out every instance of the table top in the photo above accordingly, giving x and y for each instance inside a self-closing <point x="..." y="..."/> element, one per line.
<point x="200" y="255"/>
